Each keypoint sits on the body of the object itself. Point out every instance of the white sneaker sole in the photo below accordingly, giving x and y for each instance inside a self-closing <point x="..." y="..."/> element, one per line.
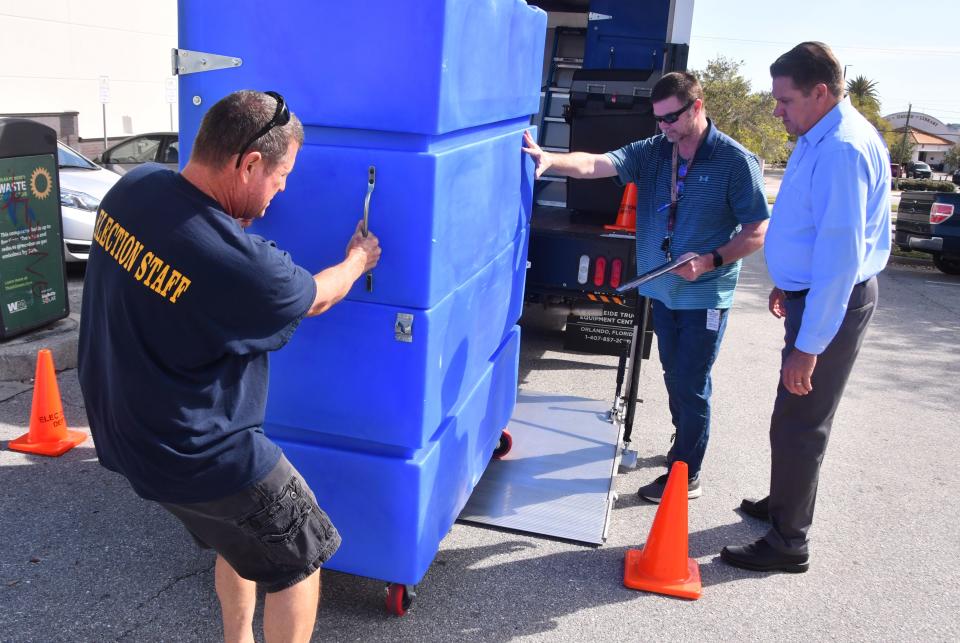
<point x="691" y="494"/>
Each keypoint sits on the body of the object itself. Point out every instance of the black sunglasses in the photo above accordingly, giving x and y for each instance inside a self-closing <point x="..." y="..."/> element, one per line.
<point x="280" y="118"/>
<point x="673" y="117"/>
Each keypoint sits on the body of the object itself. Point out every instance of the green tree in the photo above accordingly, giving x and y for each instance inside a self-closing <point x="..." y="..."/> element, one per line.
<point x="901" y="150"/>
<point x="952" y="158"/>
<point x="863" y="94"/>
<point x="886" y="130"/>
<point x="866" y="99"/>
<point x="741" y="113"/>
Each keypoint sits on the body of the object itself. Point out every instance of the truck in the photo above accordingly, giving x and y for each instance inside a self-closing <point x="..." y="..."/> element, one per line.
<point x="926" y="223"/>
<point x="602" y="59"/>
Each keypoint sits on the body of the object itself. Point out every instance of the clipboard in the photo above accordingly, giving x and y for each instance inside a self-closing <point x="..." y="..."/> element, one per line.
<point x="659" y="271"/>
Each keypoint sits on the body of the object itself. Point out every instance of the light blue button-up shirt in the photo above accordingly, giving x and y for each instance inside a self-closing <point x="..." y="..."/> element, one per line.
<point x="830" y="227"/>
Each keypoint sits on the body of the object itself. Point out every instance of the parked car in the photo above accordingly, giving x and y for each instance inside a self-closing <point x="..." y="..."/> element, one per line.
<point x="956" y="176"/>
<point x="156" y="147"/>
<point x="82" y="186"/>
<point x="926" y="222"/>
<point x="918" y="170"/>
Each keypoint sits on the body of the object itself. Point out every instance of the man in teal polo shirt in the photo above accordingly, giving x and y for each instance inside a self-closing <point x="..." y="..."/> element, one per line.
<point x="698" y="191"/>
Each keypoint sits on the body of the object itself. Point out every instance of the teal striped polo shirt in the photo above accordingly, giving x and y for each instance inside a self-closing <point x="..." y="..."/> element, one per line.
<point x="723" y="190"/>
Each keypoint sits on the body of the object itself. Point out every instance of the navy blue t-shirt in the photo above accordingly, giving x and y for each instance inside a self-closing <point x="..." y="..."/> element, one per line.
<point x="180" y="308"/>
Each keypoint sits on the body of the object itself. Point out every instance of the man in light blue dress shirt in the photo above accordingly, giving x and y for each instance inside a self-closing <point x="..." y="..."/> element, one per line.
<point x="828" y="237"/>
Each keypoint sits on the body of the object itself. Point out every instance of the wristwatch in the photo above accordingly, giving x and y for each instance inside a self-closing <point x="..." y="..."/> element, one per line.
<point x="717" y="259"/>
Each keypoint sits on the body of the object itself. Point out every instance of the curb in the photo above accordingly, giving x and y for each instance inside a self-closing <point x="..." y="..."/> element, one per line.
<point x="18" y="357"/>
<point x="910" y="261"/>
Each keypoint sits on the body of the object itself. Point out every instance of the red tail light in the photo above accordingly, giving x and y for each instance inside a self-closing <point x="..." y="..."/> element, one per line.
<point x="599" y="271"/>
<point x="940" y="212"/>
<point x="616" y="272"/>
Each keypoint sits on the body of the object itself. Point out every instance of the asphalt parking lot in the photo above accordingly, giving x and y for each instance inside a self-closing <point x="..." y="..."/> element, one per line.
<point x="83" y="559"/>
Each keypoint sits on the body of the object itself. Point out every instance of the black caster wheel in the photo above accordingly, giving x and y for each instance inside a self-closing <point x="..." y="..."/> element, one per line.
<point x="504" y="446"/>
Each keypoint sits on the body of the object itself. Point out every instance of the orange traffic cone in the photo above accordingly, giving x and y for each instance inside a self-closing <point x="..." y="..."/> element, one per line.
<point x="48" y="428"/>
<point x="627" y="214"/>
<point x="662" y="565"/>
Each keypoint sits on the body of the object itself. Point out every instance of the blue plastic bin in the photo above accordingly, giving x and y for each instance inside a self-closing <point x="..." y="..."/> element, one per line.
<point x="442" y="212"/>
<point x="345" y="374"/>
<point x="426" y="66"/>
<point x="392" y="512"/>
<point x="392" y="435"/>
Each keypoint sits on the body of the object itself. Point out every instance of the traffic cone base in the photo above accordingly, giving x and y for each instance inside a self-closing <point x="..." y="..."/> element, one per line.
<point x="59" y="447"/>
<point x="48" y="433"/>
<point x="633" y="577"/>
<point x="662" y="566"/>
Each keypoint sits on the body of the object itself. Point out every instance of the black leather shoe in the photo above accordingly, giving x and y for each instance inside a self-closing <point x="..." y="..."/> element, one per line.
<point x="761" y="557"/>
<point x="757" y="508"/>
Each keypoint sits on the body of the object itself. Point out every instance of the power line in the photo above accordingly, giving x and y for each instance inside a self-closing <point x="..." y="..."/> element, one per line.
<point x="935" y="52"/>
<point x="938" y="111"/>
<point x="925" y="101"/>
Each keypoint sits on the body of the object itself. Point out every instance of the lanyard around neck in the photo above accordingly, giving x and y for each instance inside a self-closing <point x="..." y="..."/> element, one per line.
<point x="674" y="192"/>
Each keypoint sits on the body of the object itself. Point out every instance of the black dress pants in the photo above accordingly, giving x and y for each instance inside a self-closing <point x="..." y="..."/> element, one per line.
<point x="800" y="424"/>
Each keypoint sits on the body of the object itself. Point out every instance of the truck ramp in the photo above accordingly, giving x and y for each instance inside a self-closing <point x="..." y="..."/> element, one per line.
<point x="557" y="478"/>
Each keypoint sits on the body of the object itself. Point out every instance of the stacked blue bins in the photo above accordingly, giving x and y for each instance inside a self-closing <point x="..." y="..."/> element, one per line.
<point x="391" y="403"/>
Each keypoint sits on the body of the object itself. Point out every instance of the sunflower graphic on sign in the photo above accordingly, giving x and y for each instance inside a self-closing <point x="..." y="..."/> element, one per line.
<point x="41" y="183"/>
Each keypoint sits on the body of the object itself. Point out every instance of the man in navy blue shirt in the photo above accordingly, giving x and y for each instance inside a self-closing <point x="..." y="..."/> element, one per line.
<point x="180" y="310"/>
<point x="828" y="239"/>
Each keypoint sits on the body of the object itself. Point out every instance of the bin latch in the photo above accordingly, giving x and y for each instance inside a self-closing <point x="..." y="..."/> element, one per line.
<point x="403" y="328"/>
<point x="185" y="61"/>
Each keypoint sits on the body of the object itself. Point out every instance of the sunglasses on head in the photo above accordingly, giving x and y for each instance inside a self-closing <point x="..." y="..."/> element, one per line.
<point x="281" y="116"/>
<point x="673" y="117"/>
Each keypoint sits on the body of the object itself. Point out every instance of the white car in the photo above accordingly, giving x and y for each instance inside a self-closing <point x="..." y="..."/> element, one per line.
<point x="82" y="186"/>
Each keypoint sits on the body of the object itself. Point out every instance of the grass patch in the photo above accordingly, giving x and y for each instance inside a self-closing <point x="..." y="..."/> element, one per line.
<point x="910" y="254"/>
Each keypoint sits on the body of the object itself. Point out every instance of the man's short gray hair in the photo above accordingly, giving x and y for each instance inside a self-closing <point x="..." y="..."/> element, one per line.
<point x="230" y="123"/>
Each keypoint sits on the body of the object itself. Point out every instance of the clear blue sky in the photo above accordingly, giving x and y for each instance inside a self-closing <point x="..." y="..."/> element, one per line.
<point x="911" y="48"/>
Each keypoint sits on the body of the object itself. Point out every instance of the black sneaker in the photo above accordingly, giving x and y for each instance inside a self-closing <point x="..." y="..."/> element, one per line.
<point x="654" y="491"/>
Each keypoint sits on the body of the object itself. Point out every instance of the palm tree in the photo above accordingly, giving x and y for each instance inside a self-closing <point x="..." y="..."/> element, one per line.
<point x="863" y="93"/>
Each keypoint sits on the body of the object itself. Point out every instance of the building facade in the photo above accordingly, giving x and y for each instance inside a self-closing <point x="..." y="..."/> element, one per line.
<point x="932" y="138"/>
<point x="80" y="64"/>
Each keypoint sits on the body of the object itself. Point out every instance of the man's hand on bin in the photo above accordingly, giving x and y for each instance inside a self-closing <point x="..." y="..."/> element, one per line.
<point x="541" y="158"/>
<point x="367" y="247"/>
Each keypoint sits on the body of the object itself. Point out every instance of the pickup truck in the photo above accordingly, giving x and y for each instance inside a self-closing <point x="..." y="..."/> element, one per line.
<point x="926" y="223"/>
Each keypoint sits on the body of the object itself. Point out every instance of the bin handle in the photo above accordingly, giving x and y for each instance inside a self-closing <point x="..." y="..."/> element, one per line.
<point x="371" y="183"/>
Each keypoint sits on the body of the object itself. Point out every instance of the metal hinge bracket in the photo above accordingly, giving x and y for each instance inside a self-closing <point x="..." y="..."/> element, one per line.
<point x="185" y="61"/>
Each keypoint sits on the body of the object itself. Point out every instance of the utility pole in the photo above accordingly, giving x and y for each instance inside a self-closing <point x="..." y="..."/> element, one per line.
<point x="170" y="90"/>
<point x="906" y="130"/>
<point x="104" y="99"/>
